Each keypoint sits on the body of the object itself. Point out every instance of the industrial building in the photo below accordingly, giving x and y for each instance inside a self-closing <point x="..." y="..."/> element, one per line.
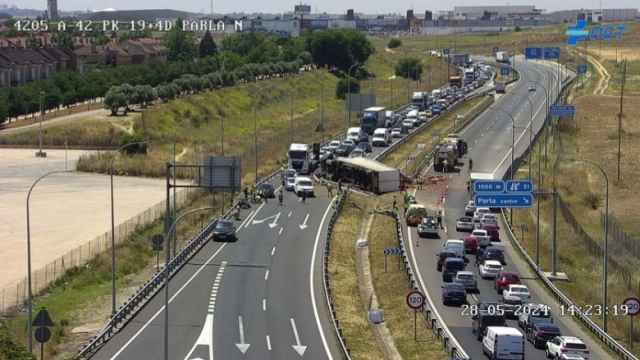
<point x="496" y="12"/>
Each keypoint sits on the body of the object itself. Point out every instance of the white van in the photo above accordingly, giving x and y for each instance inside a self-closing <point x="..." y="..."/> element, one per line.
<point x="503" y="343"/>
<point x="381" y="137"/>
<point x="354" y="134"/>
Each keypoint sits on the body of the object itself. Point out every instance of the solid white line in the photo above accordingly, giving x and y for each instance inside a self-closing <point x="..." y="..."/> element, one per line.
<point x="266" y="275"/>
<point x="311" y="287"/>
<point x="264" y="304"/>
<point x="426" y="293"/>
<point x="135" y="336"/>
<point x="268" y="343"/>
<point x="273" y="251"/>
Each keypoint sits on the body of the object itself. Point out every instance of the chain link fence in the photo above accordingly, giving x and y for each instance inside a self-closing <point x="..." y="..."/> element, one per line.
<point x="14" y="296"/>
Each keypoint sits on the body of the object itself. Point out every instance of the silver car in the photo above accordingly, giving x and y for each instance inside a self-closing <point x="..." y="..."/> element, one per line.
<point x="468" y="280"/>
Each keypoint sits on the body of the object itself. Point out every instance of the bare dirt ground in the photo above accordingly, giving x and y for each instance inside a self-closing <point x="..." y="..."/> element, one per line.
<point x="66" y="210"/>
<point x="629" y="53"/>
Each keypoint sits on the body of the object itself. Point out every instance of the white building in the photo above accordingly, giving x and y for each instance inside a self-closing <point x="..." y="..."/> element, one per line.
<point x="502" y="11"/>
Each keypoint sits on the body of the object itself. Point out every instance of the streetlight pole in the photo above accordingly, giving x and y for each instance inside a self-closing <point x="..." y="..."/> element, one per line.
<point x="167" y="275"/>
<point x="113" y="226"/>
<point x="29" y="291"/>
<point x="40" y="153"/>
<point x="349" y="92"/>
<point x="513" y="141"/>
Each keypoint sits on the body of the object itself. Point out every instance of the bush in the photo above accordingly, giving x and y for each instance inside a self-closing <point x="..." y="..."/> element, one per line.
<point x="409" y="68"/>
<point x="592" y="200"/>
<point x="133" y="149"/>
<point x="394" y="43"/>
<point x="341" y="87"/>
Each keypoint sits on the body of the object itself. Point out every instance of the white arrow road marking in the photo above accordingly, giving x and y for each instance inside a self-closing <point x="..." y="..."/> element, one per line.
<point x="290" y="212"/>
<point x="274" y="223"/>
<point x="266" y="275"/>
<point x="264" y="304"/>
<point x="250" y="219"/>
<point x="304" y="223"/>
<point x="254" y="221"/>
<point x="242" y="346"/>
<point x="273" y="251"/>
<point x="206" y="335"/>
<point x="281" y="230"/>
<point x="300" y="349"/>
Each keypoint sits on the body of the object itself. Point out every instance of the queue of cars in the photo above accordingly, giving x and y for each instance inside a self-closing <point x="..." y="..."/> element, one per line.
<point x="500" y="339"/>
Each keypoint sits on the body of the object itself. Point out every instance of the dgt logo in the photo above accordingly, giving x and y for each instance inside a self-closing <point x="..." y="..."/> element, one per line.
<point x="580" y="32"/>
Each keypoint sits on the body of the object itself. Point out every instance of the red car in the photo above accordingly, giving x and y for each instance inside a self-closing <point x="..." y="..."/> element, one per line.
<point x="470" y="244"/>
<point x="504" y="279"/>
<point x="493" y="231"/>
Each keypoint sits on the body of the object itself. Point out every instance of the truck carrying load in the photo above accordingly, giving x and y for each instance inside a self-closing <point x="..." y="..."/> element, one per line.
<point x="373" y="118"/>
<point x="420" y="99"/>
<point x="367" y="174"/>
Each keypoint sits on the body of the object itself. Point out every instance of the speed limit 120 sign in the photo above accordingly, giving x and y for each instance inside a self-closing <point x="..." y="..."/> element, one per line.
<point x="633" y="306"/>
<point x="415" y="299"/>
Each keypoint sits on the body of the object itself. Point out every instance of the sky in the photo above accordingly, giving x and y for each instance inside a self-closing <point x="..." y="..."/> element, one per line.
<point x="330" y="6"/>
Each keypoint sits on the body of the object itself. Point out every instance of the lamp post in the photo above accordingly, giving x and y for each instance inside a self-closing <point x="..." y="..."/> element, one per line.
<point x="349" y="92"/>
<point x="29" y="292"/>
<point x="606" y="236"/>
<point x="513" y="140"/>
<point x="113" y="226"/>
<point x="166" y="278"/>
<point x="40" y="153"/>
<point x="546" y="92"/>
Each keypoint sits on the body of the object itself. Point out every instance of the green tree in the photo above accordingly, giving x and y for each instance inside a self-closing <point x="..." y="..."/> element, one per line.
<point x="4" y="107"/>
<point x="114" y="100"/>
<point x="341" y="87"/>
<point x="180" y="44"/>
<point x="339" y="47"/>
<point x="409" y="68"/>
<point x="208" y="47"/>
<point x="394" y="43"/>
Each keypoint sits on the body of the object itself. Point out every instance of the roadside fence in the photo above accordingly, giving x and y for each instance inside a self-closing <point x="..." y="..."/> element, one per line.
<point x="14" y="296"/>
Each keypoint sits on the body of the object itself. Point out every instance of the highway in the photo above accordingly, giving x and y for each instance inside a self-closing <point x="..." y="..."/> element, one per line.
<point x="249" y="299"/>
<point x="489" y="138"/>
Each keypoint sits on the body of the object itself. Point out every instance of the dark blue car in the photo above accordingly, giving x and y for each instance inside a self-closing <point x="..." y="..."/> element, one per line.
<point x="453" y="294"/>
<point x="436" y="110"/>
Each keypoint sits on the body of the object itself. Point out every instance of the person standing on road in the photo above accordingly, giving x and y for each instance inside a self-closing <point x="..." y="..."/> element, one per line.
<point x="304" y="196"/>
<point x="440" y="219"/>
<point x="280" y="197"/>
<point x="395" y="204"/>
<point x="246" y="193"/>
<point x="329" y="190"/>
<point x="470" y="164"/>
<point x="339" y="185"/>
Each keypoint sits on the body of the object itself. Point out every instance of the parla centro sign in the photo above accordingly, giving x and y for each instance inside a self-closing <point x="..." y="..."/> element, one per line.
<point x="581" y="32"/>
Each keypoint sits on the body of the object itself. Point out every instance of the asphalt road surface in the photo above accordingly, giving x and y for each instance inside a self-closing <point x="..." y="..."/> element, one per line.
<point x="249" y="299"/>
<point x="489" y="138"/>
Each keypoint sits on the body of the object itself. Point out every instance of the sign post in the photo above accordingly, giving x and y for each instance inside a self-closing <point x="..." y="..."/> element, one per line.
<point x="633" y="309"/>
<point x="415" y="301"/>
<point x="42" y="323"/>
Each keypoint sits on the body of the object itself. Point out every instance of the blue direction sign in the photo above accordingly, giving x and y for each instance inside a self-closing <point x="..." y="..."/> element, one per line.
<point x="505" y="71"/>
<point x="504" y="200"/>
<point x="515" y="186"/>
<point x="488" y="186"/>
<point x="393" y="251"/>
<point x="582" y="69"/>
<point x="445" y="51"/>
<point x="533" y="53"/>
<point x="563" y="110"/>
<point x="551" y="53"/>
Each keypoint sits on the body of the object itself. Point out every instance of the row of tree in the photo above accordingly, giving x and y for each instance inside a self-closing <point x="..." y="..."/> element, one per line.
<point x="126" y="95"/>
<point x="337" y="48"/>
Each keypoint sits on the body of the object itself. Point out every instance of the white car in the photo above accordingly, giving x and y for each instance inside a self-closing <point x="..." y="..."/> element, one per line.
<point x="490" y="269"/>
<point x="464" y="223"/>
<point x="407" y="123"/>
<point x="303" y="184"/>
<point x="333" y="145"/>
<point x="482" y="237"/>
<point x="453" y="242"/>
<point x="564" y="345"/>
<point x="290" y="179"/>
<point x="480" y="212"/>
<point x="517" y="291"/>
<point x="532" y="87"/>
<point x="396" y="133"/>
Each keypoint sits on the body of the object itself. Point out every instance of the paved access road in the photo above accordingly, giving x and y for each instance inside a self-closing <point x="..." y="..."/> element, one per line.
<point x="260" y="297"/>
<point x="489" y="138"/>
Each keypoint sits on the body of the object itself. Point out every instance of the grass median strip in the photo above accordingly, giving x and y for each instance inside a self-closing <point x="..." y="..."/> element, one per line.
<point x="429" y="136"/>
<point x="350" y="307"/>
<point x="391" y="289"/>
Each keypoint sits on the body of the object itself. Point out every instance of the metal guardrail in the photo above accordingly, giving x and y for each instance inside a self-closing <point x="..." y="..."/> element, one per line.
<point x="608" y="340"/>
<point x="327" y="288"/>
<point x="137" y="301"/>
<point x="432" y="320"/>
<point x="144" y="294"/>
